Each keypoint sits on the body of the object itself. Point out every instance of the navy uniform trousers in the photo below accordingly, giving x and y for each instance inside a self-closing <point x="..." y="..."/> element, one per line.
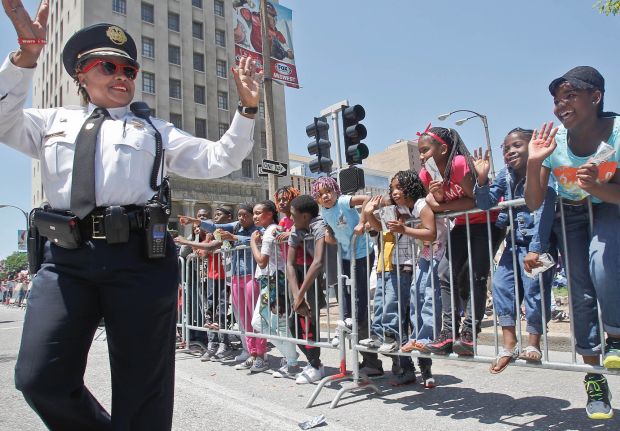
<point x="70" y="294"/>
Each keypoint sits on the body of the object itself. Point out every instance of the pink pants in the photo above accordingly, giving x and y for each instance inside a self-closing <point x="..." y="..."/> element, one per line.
<point x="245" y="292"/>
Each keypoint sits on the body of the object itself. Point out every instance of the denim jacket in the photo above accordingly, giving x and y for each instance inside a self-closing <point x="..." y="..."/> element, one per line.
<point x="532" y="229"/>
<point x="242" y="261"/>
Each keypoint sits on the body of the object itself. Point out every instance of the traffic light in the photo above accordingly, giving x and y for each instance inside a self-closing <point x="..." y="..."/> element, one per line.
<point x="355" y="151"/>
<point x="319" y="130"/>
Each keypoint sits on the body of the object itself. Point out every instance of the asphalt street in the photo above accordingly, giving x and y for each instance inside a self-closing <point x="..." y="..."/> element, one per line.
<point x="214" y="396"/>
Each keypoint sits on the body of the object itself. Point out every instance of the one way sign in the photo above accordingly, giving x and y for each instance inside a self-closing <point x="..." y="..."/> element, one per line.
<point x="274" y="167"/>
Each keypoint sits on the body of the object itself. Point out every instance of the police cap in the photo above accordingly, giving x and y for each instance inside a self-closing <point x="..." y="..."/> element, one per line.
<point x="95" y="41"/>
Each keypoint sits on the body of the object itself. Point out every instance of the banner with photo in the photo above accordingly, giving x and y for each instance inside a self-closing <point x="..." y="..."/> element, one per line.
<point x="248" y="38"/>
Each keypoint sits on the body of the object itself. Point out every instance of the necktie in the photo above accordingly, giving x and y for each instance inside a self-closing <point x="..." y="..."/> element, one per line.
<point x="83" y="182"/>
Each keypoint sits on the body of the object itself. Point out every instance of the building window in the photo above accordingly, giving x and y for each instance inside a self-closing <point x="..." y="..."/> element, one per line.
<point x="119" y="6"/>
<point x="199" y="94"/>
<point x="201" y="128"/>
<point x="246" y="168"/>
<point x="197" y="3"/>
<point x="218" y="7"/>
<point x="148" y="47"/>
<point x="177" y="120"/>
<point x="222" y="100"/>
<point x="220" y="37"/>
<point x="199" y="62"/>
<point x="175" y="88"/>
<point x="261" y="110"/>
<point x="263" y="140"/>
<point x="197" y="31"/>
<point x="148" y="82"/>
<point x="221" y="69"/>
<point x="174" y="21"/>
<point x="174" y="54"/>
<point x="222" y="128"/>
<point x="148" y="12"/>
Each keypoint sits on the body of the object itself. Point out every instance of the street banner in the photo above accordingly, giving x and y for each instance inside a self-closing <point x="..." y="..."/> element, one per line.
<point x="21" y="240"/>
<point x="248" y="38"/>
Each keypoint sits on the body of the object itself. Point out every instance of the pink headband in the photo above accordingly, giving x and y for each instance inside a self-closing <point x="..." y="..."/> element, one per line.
<point x="432" y="135"/>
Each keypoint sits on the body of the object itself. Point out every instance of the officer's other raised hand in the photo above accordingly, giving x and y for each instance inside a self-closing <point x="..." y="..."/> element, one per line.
<point x="248" y="82"/>
<point x="31" y="34"/>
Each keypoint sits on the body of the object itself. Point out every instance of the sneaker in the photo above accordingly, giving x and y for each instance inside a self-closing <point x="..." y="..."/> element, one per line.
<point x="372" y="372"/>
<point x="414" y="345"/>
<point x="241" y="357"/>
<point x="259" y="365"/>
<point x="443" y="344"/>
<point x="464" y="346"/>
<point x="390" y="345"/>
<point x="310" y="375"/>
<point x="612" y="353"/>
<point x="405" y="378"/>
<point x="371" y="343"/>
<point x="224" y="352"/>
<point x="286" y="370"/>
<point x="212" y="349"/>
<point x="336" y="340"/>
<point x="598" y="406"/>
<point x="245" y="365"/>
<point x="427" y="376"/>
<point x="559" y="315"/>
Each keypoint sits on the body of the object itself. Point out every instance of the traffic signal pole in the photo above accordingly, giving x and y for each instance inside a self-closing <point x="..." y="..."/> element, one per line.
<point x="333" y="112"/>
<point x="272" y="180"/>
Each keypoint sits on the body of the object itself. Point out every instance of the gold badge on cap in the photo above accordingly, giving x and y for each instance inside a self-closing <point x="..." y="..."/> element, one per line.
<point x="116" y="35"/>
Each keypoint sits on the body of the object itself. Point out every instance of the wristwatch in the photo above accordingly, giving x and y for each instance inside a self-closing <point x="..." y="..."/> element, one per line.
<point x="250" y="110"/>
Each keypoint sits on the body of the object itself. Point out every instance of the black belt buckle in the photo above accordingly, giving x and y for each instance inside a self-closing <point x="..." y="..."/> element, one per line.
<point x="116" y="224"/>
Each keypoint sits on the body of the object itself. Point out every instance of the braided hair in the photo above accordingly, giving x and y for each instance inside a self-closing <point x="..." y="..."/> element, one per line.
<point x="456" y="147"/>
<point x="289" y="191"/>
<point x="410" y="183"/>
<point x="328" y="183"/>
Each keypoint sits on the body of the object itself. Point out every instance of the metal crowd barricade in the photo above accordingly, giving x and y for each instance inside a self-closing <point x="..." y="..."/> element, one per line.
<point x="199" y="291"/>
<point x="198" y="300"/>
<point x="483" y="356"/>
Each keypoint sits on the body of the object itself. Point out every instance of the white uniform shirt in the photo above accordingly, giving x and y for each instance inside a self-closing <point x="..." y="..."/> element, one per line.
<point x="125" y="150"/>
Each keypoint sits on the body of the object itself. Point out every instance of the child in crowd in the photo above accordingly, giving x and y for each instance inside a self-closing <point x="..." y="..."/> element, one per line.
<point x="417" y="296"/>
<point x="305" y="281"/>
<point x="340" y="214"/>
<point x="454" y="191"/>
<point x="532" y="237"/>
<point x="574" y="155"/>
<point x="270" y="266"/>
<point x="244" y="291"/>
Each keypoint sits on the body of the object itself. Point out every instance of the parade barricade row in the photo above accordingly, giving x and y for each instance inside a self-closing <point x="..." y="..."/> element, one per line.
<point x="419" y="294"/>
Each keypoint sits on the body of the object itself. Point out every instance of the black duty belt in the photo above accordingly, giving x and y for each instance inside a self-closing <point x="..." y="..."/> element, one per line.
<point x="94" y="225"/>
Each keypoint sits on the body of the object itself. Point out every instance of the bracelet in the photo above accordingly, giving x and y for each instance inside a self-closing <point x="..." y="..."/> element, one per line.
<point x="36" y="41"/>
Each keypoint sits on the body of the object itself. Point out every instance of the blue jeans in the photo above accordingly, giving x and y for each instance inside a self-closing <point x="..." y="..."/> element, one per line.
<point x="593" y="272"/>
<point x="395" y="319"/>
<point x="504" y="282"/>
<point x="423" y="300"/>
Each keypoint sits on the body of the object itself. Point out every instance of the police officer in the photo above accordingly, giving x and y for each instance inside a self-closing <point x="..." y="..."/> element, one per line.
<point x="104" y="272"/>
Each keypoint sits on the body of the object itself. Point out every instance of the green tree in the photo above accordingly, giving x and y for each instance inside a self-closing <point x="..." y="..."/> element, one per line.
<point x="608" y="7"/>
<point x="13" y="264"/>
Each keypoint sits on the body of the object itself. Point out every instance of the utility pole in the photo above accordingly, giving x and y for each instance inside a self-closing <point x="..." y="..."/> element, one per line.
<point x="272" y="180"/>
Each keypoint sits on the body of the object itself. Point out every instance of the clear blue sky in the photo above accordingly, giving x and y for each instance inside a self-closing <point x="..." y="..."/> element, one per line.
<point x="408" y="61"/>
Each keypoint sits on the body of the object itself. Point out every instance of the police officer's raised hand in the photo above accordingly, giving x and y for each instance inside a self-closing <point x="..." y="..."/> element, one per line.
<point x="248" y="82"/>
<point x="30" y="34"/>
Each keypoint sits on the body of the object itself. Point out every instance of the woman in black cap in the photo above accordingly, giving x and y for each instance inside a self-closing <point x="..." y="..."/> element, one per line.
<point x="583" y="155"/>
<point x="100" y="166"/>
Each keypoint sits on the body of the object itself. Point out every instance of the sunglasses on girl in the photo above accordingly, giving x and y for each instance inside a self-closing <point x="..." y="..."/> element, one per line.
<point x="109" y="68"/>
